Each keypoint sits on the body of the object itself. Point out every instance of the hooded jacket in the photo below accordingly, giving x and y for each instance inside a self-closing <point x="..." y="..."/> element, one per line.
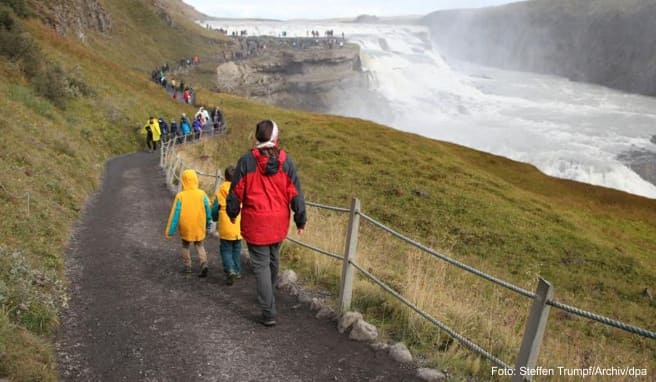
<point x="190" y="212"/>
<point x="184" y="126"/>
<point x="154" y="128"/>
<point x="263" y="189"/>
<point x="227" y="230"/>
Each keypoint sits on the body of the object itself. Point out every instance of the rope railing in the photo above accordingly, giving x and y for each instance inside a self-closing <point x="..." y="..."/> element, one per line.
<point x="463" y="340"/>
<point x="327" y="207"/>
<point x="449" y="260"/>
<point x="321" y="251"/>
<point x="602" y="319"/>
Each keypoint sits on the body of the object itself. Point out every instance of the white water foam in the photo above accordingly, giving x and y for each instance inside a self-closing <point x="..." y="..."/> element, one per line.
<point x="566" y="129"/>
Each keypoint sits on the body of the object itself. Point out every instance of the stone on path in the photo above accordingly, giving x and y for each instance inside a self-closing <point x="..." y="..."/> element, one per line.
<point x="347" y="319"/>
<point x="430" y="375"/>
<point x="400" y="353"/>
<point x="363" y="331"/>
<point x="326" y="313"/>
<point x="287" y="279"/>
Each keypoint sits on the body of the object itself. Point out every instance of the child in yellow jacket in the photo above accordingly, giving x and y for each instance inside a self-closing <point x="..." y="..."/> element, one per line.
<point x="191" y="216"/>
<point x="229" y="232"/>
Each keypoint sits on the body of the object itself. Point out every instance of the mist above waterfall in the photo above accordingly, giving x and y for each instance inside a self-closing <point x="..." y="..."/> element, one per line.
<point x="566" y="129"/>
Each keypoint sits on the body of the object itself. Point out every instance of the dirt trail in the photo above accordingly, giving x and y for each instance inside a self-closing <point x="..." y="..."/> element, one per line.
<point x="134" y="317"/>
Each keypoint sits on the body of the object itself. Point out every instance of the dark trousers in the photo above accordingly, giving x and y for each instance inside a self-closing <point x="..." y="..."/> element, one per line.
<point x="264" y="259"/>
<point x="149" y="140"/>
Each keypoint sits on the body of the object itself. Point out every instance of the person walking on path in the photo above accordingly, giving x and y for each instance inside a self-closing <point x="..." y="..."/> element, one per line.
<point x="191" y="216"/>
<point x="264" y="187"/>
<point x="185" y="127"/>
<point x="153" y="133"/>
<point x="229" y="232"/>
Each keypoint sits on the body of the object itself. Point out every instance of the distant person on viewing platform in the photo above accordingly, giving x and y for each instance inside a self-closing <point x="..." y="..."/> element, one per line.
<point x="191" y="216"/>
<point x="263" y="189"/>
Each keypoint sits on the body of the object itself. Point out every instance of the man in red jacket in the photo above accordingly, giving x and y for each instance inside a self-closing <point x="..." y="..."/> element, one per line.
<point x="266" y="185"/>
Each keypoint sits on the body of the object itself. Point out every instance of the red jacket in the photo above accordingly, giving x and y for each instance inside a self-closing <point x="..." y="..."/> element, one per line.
<point x="266" y="187"/>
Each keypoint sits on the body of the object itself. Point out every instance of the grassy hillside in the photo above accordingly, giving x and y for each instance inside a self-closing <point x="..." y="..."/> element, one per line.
<point x="67" y="107"/>
<point x="72" y="106"/>
<point x="594" y="244"/>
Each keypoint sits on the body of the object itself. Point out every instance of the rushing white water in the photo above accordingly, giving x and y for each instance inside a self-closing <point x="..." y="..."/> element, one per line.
<point x="566" y="129"/>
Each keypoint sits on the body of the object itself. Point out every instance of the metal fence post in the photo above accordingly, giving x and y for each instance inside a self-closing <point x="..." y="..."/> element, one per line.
<point x="534" y="331"/>
<point x="350" y="252"/>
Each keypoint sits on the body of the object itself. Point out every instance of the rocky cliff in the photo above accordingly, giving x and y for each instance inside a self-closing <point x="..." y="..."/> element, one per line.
<point x="295" y="73"/>
<point x="74" y="16"/>
<point x="608" y="42"/>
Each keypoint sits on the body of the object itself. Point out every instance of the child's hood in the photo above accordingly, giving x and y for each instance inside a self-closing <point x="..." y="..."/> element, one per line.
<point x="189" y="180"/>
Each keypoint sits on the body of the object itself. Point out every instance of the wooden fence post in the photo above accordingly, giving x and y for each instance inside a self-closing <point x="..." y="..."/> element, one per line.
<point x="534" y="331"/>
<point x="350" y="252"/>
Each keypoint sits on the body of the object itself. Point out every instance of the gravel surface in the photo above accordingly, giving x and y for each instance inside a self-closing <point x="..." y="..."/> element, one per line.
<point x="133" y="316"/>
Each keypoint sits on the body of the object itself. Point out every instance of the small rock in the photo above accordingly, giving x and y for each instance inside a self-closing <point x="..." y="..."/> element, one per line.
<point x="287" y="278"/>
<point x="379" y="346"/>
<point x="363" y="331"/>
<point x="400" y="353"/>
<point x="430" y="375"/>
<point x="294" y="290"/>
<point x="316" y="304"/>
<point x="304" y="298"/>
<point x="346" y="320"/>
<point x="325" y="312"/>
<point x="648" y="293"/>
<point x="421" y="193"/>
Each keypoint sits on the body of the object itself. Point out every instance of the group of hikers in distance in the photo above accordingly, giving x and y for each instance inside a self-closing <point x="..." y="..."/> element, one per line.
<point x="252" y="203"/>
<point x="157" y="129"/>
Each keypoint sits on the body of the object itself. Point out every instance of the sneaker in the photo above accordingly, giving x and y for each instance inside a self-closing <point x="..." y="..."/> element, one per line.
<point x="231" y="278"/>
<point x="267" y="321"/>
<point x="238" y="276"/>
<point x="203" y="271"/>
<point x="186" y="269"/>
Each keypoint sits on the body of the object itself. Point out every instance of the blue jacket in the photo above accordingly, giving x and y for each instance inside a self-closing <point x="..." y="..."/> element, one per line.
<point x="163" y="126"/>
<point x="174" y="128"/>
<point x="197" y="125"/>
<point x="184" y="125"/>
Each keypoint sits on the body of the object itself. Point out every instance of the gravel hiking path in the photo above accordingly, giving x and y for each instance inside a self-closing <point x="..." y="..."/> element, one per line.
<point x="133" y="317"/>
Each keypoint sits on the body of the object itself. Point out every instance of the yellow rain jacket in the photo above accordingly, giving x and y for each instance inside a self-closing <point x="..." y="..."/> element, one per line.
<point x="190" y="212"/>
<point x="154" y="127"/>
<point x="226" y="229"/>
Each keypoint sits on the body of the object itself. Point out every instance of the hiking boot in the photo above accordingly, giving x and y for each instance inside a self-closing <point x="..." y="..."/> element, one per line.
<point x="186" y="269"/>
<point x="267" y="321"/>
<point x="203" y="271"/>
<point x="231" y="278"/>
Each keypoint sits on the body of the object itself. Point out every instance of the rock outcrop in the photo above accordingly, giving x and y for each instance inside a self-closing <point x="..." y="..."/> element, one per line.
<point x="604" y="42"/>
<point x="293" y="73"/>
<point x="75" y="16"/>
